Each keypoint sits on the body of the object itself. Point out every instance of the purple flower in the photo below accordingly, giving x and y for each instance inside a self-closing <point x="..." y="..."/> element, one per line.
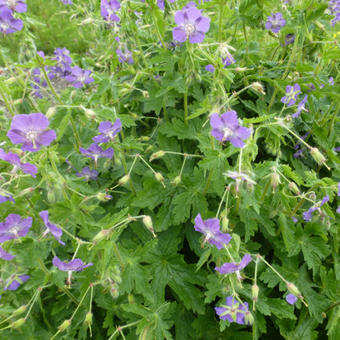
<point x="31" y="130"/>
<point x="190" y="25"/>
<point x="14" y="5"/>
<point x="331" y="81"/>
<point x="4" y="199"/>
<point x="50" y="227"/>
<point x="291" y="95"/>
<point x="108" y="9"/>
<point x="15" y="284"/>
<point x="8" y="24"/>
<point x="94" y="151"/>
<point x="228" y="60"/>
<point x="338" y="209"/>
<point x="66" y="2"/>
<point x="301" y="107"/>
<point x="291" y="299"/>
<point x="232" y="267"/>
<point x="14" y="159"/>
<point x="161" y="3"/>
<point x="6" y="256"/>
<point x="210" y="68"/>
<point x="79" y="77"/>
<point x="124" y="57"/>
<point x="294" y="219"/>
<point x="14" y="227"/>
<point x="233" y="311"/>
<point x="275" y="22"/>
<point x="226" y="128"/>
<point x="75" y="265"/>
<point x="64" y="61"/>
<point x="289" y="39"/>
<point x="307" y="215"/>
<point x="88" y="174"/>
<point x="108" y="131"/>
<point x="210" y="228"/>
<point x="338" y="188"/>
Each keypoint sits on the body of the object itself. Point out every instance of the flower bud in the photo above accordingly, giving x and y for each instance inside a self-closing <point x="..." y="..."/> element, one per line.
<point x="17" y="101"/>
<point x="88" y="318"/>
<point x="258" y="87"/>
<point x="145" y="94"/>
<point x="274" y="180"/>
<point x="159" y="177"/>
<point x="225" y="223"/>
<point x="293" y="289"/>
<point x="176" y="180"/>
<point x="64" y="325"/>
<point x="240" y="69"/>
<point x="144" y="138"/>
<point x="50" y="112"/>
<point x="317" y="155"/>
<point x="148" y="223"/>
<point x="131" y="299"/>
<point x="90" y="114"/>
<point x="114" y="292"/>
<point x="293" y="187"/>
<point x="156" y="155"/>
<point x="248" y="318"/>
<point x="101" y="235"/>
<point x="255" y="292"/>
<point x="124" y="180"/>
<point x="18" y="323"/>
<point x="20" y="310"/>
<point x="103" y="197"/>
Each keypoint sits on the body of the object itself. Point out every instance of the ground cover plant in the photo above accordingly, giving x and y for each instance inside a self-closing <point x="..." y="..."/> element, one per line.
<point x="169" y="169"/>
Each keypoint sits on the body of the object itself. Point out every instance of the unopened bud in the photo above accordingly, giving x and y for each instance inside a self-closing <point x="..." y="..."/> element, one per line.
<point x="225" y="223"/>
<point x="145" y="94"/>
<point x="90" y="114"/>
<point x="114" y="292"/>
<point x="144" y="138"/>
<point x="317" y="23"/>
<point x="124" y="180"/>
<point x="317" y="155"/>
<point x="159" y="177"/>
<point x="293" y="187"/>
<point x="240" y="69"/>
<point x="176" y="180"/>
<point x="156" y="155"/>
<point x="148" y="223"/>
<point x="274" y="180"/>
<point x="255" y="292"/>
<point x="20" y="310"/>
<point x="17" y="101"/>
<point x="103" y="197"/>
<point x="101" y="235"/>
<point x="64" y="325"/>
<point x="258" y="87"/>
<point x="18" y="323"/>
<point x="50" y="112"/>
<point x="248" y="318"/>
<point x="88" y="318"/>
<point x="293" y="289"/>
<point x="131" y="299"/>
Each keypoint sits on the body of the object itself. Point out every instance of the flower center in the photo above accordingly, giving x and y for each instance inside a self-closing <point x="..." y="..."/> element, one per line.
<point x="32" y="136"/>
<point x="11" y="3"/>
<point x="189" y="28"/>
<point x="227" y="132"/>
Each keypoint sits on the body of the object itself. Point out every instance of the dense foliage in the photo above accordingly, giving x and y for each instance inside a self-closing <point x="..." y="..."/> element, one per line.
<point x="169" y="169"/>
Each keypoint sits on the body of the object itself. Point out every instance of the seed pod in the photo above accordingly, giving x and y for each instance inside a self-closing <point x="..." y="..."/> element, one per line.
<point x="88" y="318"/>
<point x="293" y="187"/>
<point x="148" y="223"/>
<point x="248" y="318"/>
<point x="258" y="87"/>
<point x="176" y="180"/>
<point x="274" y="180"/>
<point x="225" y="223"/>
<point x="101" y="235"/>
<point x="50" y="112"/>
<point x="159" y="177"/>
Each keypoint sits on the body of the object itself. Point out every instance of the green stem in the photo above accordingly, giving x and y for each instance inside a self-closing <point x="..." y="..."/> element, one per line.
<point x="75" y="132"/>
<point x="4" y="98"/>
<point x="186" y="106"/>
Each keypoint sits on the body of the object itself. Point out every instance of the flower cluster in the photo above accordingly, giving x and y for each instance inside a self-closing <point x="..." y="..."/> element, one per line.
<point x="63" y="69"/>
<point x="275" y="22"/>
<point x="190" y="25"/>
<point x="227" y="128"/>
<point x="8" y="23"/>
<point x="108" y="9"/>
<point x="334" y="9"/>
